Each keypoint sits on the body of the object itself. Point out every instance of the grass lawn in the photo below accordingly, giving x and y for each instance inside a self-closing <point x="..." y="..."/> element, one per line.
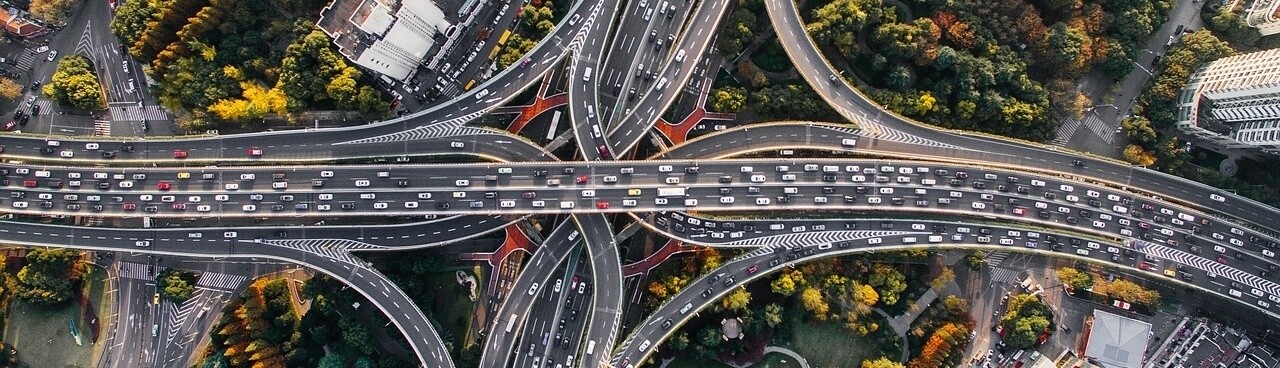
<point x="451" y="306"/>
<point x="43" y="338"/>
<point x="829" y="344"/>
<point x="771" y="360"/>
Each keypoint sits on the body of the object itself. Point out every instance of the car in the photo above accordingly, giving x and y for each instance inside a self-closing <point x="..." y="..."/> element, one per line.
<point x="52" y="55"/>
<point x="1217" y="198"/>
<point x="602" y="205"/>
<point x="179" y="154"/>
<point x="533" y="289"/>
<point x="164" y="185"/>
<point x="753" y="269"/>
<point x="66" y="154"/>
<point x="10" y="125"/>
<point x="255" y="152"/>
<point x="456" y="144"/>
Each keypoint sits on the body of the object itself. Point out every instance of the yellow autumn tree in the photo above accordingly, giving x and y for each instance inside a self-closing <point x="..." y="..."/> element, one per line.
<point x="258" y="101"/>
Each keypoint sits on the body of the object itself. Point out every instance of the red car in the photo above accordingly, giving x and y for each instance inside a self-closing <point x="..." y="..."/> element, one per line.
<point x="10" y="125"/>
<point x="602" y="205"/>
<point x="255" y="152"/>
<point x="583" y="179"/>
<point x="179" y="154"/>
<point x="130" y="206"/>
<point x="164" y="185"/>
<point x="30" y="183"/>
<point x="179" y="206"/>
<point x="753" y="269"/>
<point x="1019" y="211"/>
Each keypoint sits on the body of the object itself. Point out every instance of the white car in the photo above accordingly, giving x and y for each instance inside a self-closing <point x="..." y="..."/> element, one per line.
<point x="1217" y="198"/>
<point x="91" y="146"/>
<point x="457" y="145"/>
<point x="362" y="183"/>
<point x="761" y="201"/>
<point x="462" y="182"/>
<point x="52" y="55"/>
<point x="1099" y="224"/>
<point x="248" y="176"/>
<point x="326" y="174"/>
<point x="628" y="203"/>
<point x="66" y="154"/>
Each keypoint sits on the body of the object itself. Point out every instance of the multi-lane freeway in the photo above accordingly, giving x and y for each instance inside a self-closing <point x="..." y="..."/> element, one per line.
<point x="631" y="61"/>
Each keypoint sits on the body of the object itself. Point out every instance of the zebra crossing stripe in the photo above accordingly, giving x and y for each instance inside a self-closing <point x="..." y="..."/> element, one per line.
<point x="815" y="238"/>
<point x="1207" y="265"/>
<point x="1098" y="127"/>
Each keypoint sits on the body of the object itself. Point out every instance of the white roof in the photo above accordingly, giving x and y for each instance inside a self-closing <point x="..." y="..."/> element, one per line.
<point x="1117" y="341"/>
<point x="378" y="19"/>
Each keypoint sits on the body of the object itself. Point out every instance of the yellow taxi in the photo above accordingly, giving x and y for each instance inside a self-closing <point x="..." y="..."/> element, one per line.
<point x="184" y="175"/>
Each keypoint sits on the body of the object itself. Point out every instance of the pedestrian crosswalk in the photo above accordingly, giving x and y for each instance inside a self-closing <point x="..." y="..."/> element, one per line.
<point x="994" y="258"/>
<point x="449" y="90"/>
<point x="136" y="271"/>
<point x="134" y="112"/>
<point x="219" y="281"/>
<point x="1005" y="276"/>
<point x="1067" y="127"/>
<point x="26" y="60"/>
<point x="101" y="127"/>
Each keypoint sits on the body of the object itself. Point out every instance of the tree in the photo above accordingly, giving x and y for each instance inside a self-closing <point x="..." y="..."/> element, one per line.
<point x="737" y="300"/>
<point x="881" y="362"/>
<point x="888" y="282"/>
<point x="1126" y="290"/>
<point x="739" y="31"/>
<point x="813" y="301"/>
<point x="1074" y="278"/>
<point x="839" y="21"/>
<point x="74" y="83"/>
<point x="1228" y="22"/>
<point x="1135" y="154"/>
<point x="332" y="361"/>
<point x="679" y="341"/>
<point x="944" y="277"/>
<point x="772" y="315"/>
<point x="1139" y="131"/>
<point x="1025" y="319"/>
<point x="49" y="276"/>
<point x="1071" y="49"/>
<point x="785" y="284"/>
<point x="897" y="40"/>
<point x="130" y="20"/>
<point x="727" y="99"/>
<point x="974" y="260"/>
<point x="176" y="286"/>
<point x="52" y="11"/>
<point x="257" y="103"/>
<point x="9" y="89"/>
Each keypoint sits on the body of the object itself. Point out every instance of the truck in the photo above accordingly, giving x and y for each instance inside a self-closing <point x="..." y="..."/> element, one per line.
<point x="672" y="192"/>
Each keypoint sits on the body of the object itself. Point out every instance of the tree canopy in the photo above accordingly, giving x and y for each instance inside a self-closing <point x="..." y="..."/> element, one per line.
<point x="75" y="83"/>
<point x="50" y="276"/>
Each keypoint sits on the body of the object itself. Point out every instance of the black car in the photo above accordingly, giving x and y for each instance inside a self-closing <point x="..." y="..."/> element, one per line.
<point x="109" y="154"/>
<point x="707" y="293"/>
<point x="442" y="205"/>
<point x="47" y="150"/>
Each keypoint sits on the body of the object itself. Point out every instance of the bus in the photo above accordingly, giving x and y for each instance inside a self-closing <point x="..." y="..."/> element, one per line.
<point x="469" y="84"/>
<point x="512" y="323"/>
<point x="494" y="54"/>
<point x="505" y="35"/>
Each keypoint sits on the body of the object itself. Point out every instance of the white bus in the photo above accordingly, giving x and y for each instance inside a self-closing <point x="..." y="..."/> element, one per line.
<point x="512" y="323"/>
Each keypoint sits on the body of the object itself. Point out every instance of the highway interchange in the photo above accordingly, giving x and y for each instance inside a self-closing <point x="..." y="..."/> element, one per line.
<point x="997" y="194"/>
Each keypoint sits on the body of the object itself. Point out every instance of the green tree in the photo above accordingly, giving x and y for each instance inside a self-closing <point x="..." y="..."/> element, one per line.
<point x="772" y="315"/>
<point x="1228" y="22"/>
<point x="839" y="21"/>
<point x="738" y="32"/>
<point x="1025" y="319"/>
<point x="49" y="276"/>
<point x="737" y="300"/>
<point x="727" y="99"/>
<point x="974" y="260"/>
<point x="332" y="361"/>
<point x="176" y="286"/>
<point x="897" y="40"/>
<point x="947" y="275"/>
<point x="1139" y="131"/>
<point x="888" y="282"/>
<point x="1071" y="49"/>
<point x="679" y="341"/>
<point x="130" y="20"/>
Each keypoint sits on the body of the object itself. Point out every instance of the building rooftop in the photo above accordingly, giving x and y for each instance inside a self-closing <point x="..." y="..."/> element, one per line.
<point x="388" y="37"/>
<point x="1117" y="341"/>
